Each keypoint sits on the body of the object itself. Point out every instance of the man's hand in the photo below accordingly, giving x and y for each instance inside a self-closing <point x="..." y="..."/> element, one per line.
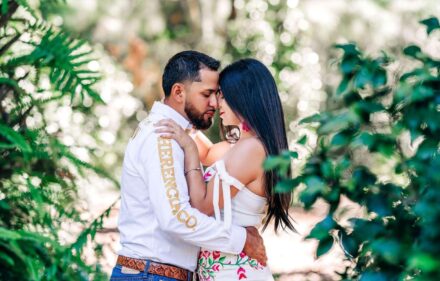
<point x="254" y="246"/>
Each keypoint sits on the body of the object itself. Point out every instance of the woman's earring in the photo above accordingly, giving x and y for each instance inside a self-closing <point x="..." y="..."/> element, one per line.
<point x="232" y="134"/>
<point x="245" y="126"/>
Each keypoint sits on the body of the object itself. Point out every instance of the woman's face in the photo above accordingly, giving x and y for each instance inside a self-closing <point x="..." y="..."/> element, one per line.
<point x="226" y="113"/>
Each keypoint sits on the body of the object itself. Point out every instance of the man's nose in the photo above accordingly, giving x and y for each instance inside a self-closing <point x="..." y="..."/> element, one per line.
<point x="213" y="101"/>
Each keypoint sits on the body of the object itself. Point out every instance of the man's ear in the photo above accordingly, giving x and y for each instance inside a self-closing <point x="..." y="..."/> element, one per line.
<point x="178" y="92"/>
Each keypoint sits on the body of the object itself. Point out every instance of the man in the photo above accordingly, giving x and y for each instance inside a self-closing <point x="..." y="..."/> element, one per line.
<point x="160" y="232"/>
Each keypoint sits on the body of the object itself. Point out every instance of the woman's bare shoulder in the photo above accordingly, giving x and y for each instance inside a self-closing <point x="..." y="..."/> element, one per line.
<point x="253" y="147"/>
<point x="216" y="152"/>
<point x="245" y="160"/>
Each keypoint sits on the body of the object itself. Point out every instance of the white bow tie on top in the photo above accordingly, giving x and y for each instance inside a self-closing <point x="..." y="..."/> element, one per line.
<point x="227" y="182"/>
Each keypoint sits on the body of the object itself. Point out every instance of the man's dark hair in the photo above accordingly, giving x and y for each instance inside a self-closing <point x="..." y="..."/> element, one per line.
<point x="185" y="66"/>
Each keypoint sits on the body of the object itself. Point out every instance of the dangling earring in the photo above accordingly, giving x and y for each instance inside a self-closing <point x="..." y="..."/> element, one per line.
<point x="245" y="126"/>
<point x="233" y="133"/>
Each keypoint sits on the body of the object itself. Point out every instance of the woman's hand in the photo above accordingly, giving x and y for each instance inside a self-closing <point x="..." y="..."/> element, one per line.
<point x="168" y="128"/>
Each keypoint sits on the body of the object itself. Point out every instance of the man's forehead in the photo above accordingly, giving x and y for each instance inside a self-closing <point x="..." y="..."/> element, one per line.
<point x="208" y="79"/>
<point x="208" y="74"/>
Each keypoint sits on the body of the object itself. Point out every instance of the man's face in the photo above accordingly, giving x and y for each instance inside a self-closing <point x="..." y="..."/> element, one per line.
<point x="201" y="100"/>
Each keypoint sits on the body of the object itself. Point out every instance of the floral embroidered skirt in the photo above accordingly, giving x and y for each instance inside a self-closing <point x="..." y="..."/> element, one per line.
<point x="218" y="266"/>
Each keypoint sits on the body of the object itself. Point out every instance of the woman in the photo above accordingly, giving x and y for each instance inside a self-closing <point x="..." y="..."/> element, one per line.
<point x="235" y="186"/>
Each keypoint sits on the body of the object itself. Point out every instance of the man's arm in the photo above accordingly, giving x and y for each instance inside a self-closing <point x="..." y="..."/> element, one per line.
<point x="162" y="169"/>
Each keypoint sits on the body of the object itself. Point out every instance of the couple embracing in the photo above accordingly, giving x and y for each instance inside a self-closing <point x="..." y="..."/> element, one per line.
<point x="179" y="221"/>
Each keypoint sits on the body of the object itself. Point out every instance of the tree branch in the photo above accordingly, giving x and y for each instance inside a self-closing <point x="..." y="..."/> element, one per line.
<point x="13" y="6"/>
<point x="5" y="47"/>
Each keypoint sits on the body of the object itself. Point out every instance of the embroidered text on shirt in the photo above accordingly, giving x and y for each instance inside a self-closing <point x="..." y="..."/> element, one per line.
<point x="167" y="169"/>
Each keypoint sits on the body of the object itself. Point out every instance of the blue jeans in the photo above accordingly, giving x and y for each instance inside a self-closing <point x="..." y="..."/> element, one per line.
<point x="131" y="275"/>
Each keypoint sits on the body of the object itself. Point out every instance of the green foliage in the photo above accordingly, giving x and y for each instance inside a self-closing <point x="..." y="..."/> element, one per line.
<point x="39" y="174"/>
<point x="397" y="238"/>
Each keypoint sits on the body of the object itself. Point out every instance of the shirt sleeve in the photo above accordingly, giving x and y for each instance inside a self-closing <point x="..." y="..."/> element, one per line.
<point x="163" y="171"/>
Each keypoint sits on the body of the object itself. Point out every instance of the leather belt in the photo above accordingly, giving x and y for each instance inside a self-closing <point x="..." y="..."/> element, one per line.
<point x="161" y="269"/>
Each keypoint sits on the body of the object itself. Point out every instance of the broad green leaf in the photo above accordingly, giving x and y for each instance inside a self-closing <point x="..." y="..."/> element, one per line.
<point x="337" y="123"/>
<point x="273" y="162"/>
<point x="378" y="204"/>
<point x="421" y="93"/>
<point x="365" y="230"/>
<point x="363" y="77"/>
<point x="431" y="24"/>
<point x="427" y="149"/>
<point x="349" y="65"/>
<point x="287" y="185"/>
<point x="314" y="118"/>
<point x="343" y="86"/>
<point x="322" y="229"/>
<point x="369" y="107"/>
<point x="293" y="154"/>
<point x="349" y="49"/>
<point x="302" y="140"/>
<point x="388" y="249"/>
<point x="424" y="261"/>
<point x="413" y="51"/>
<point x="349" y="244"/>
<point x="324" y="246"/>
<point x="341" y="139"/>
<point x="373" y="276"/>
<point x="379" y="78"/>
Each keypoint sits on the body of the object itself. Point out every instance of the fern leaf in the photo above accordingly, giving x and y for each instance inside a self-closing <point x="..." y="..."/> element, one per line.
<point x="66" y="63"/>
<point x="12" y="83"/>
<point x="15" y="138"/>
<point x="6" y="145"/>
<point x="92" y="229"/>
<point x="9" y="234"/>
<point x="5" y="7"/>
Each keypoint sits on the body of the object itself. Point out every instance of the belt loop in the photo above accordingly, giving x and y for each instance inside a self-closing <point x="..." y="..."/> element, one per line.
<point x="147" y="265"/>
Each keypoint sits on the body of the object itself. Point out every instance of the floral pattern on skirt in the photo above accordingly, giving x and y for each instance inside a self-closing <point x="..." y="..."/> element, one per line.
<point x="212" y="265"/>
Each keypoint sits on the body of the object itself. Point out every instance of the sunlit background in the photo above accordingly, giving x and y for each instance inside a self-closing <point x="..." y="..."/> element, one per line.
<point x="134" y="39"/>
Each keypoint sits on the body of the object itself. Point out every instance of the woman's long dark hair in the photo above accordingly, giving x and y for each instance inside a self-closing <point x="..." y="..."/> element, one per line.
<point x="250" y="90"/>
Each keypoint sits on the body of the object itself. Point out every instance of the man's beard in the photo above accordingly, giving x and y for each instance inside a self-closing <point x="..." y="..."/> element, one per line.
<point x="196" y="118"/>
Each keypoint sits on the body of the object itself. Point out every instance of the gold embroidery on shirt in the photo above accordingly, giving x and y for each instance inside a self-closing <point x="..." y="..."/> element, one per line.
<point x="167" y="170"/>
<point x="191" y="222"/>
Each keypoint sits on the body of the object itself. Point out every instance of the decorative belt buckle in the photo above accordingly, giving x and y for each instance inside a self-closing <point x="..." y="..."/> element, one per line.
<point x="127" y="270"/>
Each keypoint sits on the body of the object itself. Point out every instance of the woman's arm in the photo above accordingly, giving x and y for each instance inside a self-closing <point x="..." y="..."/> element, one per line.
<point x="243" y="162"/>
<point x="209" y="152"/>
<point x="192" y="169"/>
<point x="203" y="144"/>
<point x="194" y="178"/>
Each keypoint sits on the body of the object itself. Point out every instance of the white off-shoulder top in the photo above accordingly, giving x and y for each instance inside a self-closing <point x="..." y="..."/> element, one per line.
<point x="245" y="209"/>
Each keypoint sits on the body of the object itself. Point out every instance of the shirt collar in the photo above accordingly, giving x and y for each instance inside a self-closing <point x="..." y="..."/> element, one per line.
<point x="167" y="111"/>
